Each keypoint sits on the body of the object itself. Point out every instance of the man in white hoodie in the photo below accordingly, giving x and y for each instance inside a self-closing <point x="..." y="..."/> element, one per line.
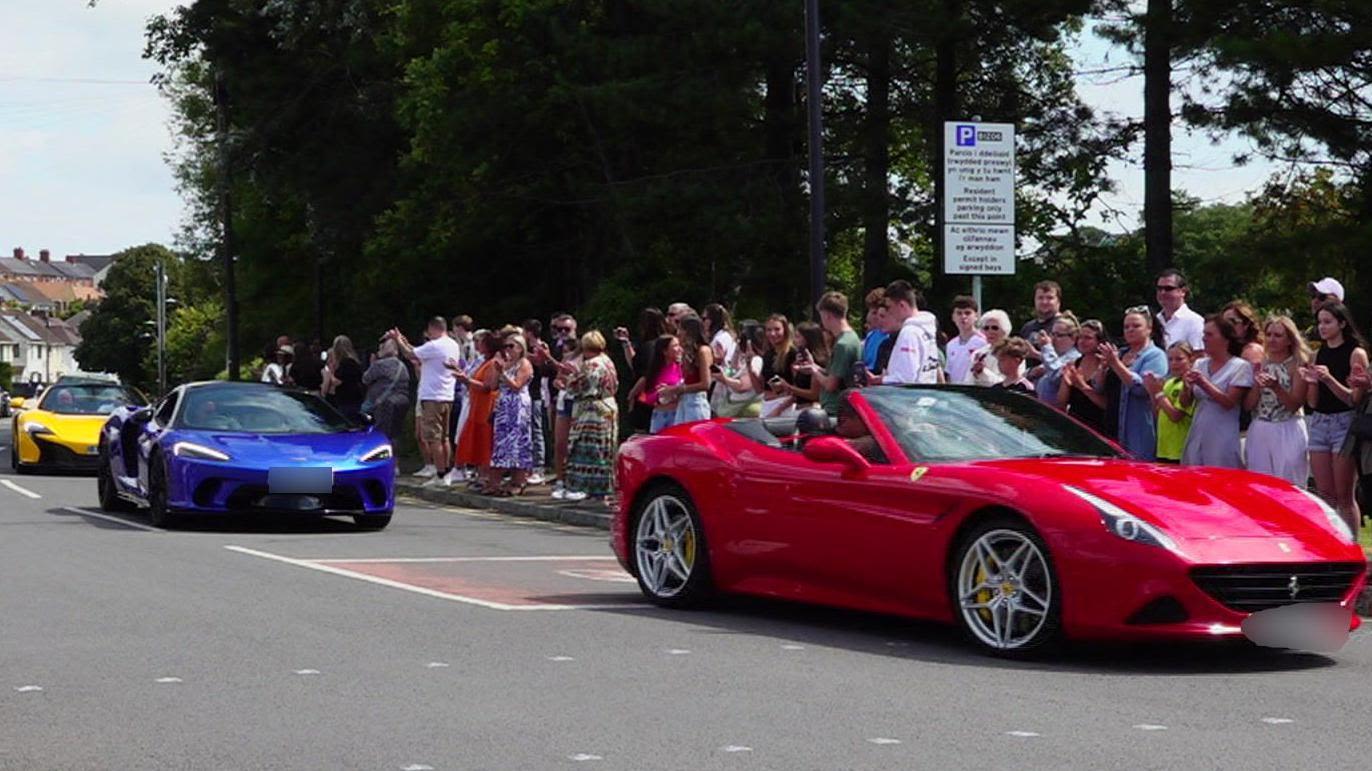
<point x="914" y="359"/>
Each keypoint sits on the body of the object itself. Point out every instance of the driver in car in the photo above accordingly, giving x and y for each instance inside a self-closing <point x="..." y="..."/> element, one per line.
<point x="65" y="401"/>
<point x="853" y="430"/>
<point x="206" y="415"/>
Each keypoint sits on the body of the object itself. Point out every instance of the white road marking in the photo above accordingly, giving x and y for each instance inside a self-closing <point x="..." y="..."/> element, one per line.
<point x="735" y="748"/>
<point x="1277" y="720"/>
<point x="168" y="680"/>
<point x="326" y="568"/>
<point x="793" y="647"/>
<point x="29" y="688"/>
<point x="615" y="576"/>
<point x="582" y="757"/>
<point x="22" y="491"/>
<point x="678" y="652"/>
<point x="366" y="560"/>
<point x="437" y="665"/>
<point x="416" y="767"/>
<point x="884" y="740"/>
<point x="1150" y="727"/>
<point x="307" y="671"/>
<point x="1022" y="734"/>
<point x="117" y="520"/>
<point x="561" y="658"/>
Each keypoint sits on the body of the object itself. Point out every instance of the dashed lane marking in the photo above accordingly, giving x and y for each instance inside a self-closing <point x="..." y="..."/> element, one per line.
<point x="29" y="688"/>
<point x="324" y="567"/>
<point x="27" y="493"/>
<point x="561" y="658"/>
<point x="1022" y="734"/>
<point x="437" y="665"/>
<point x="582" y="757"/>
<point x="884" y="740"/>
<point x="542" y="558"/>
<point x="735" y="748"/>
<point x="307" y="671"/>
<point x="1150" y="727"/>
<point x="1277" y="720"/>
<point x="416" y="767"/>
<point x="116" y="520"/>
<point x="168" y="680"/>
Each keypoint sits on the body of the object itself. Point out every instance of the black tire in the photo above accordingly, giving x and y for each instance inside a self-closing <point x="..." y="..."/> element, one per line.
<point x="1039" y="641"/>
<point x="372" y="521"/>
<point x="105" y="488"/>
<point x="158" y="512"/>
<point x="698" y="586"/>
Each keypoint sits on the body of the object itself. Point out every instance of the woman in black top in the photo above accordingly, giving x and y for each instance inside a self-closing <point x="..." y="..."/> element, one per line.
<point x="343" y="378"/>
<point x="811" y="347"/>
<point x="652" y="324"/>
<point x="1331" y="406"/>
<point x="778" y="361"/>
<point x="1080" y="393"/>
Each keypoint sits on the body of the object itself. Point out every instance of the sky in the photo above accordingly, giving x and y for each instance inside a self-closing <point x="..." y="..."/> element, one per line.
<point x="83" y="136"/>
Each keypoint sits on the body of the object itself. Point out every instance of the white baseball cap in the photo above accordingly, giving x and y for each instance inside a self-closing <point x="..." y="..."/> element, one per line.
<point x="1328" y="285"/>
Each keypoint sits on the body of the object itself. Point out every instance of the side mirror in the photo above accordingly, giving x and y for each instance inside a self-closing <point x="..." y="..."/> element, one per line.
<point x="831" y="449"/>
<point x="142" y="416"/>
<point x="17" y="403"/>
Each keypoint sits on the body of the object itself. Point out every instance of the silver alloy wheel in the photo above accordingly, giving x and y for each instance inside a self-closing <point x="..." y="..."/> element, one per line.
<point x="1004" y="589"/>
<point x="665" y="546"/>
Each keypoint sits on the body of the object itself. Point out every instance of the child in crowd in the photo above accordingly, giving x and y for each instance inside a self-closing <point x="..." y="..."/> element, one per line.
<point x="1174" y="419"/>
<point x="1010" y="355"/>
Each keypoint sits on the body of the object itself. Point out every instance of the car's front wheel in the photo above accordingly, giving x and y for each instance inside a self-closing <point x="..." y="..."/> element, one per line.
<point x="670" y="556"/>
<point x="372" y="521"/>
<point x="1004" y="590"/>
<point x="105" y="487"/>
<point x="158" y="510"/>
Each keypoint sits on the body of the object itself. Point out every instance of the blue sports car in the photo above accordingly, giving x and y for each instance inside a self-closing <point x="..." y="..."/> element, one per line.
<point x="216" y="448"/>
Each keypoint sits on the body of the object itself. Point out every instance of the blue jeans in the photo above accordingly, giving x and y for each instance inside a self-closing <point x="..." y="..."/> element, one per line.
<point x="692" y="407"/>
<point x="662" y="420"/>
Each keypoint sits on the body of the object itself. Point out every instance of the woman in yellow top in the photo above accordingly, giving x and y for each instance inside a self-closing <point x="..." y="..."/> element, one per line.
<point x="1174" y="420"/>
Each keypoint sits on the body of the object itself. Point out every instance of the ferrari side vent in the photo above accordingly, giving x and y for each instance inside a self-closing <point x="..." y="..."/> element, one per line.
<point x="1163" y="610"/>
<point x="1250" y="588"/>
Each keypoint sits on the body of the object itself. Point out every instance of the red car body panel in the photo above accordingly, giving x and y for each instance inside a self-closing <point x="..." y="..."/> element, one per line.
<point x="780" y="525"/>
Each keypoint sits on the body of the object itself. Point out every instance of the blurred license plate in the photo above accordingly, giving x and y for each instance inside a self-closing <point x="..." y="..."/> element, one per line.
<point x="299" y="481"/>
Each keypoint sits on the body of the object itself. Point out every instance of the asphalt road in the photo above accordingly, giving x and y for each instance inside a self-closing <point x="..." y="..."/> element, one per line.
<point x="126" y="647"/>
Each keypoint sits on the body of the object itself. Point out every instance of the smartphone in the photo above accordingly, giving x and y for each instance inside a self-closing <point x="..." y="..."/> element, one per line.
<point x="775" y="382"/>
<point x="860" y="374"/>
<point x="715" y="368"/>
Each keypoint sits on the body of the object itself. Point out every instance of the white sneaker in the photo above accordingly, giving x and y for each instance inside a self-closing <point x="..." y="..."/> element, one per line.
<point x="452" y="477"/>
<point x="434" y="481"/>
<point x="536" y="478"/>
<point x="575" y="495"/>
<point x="426" y="472"/>
<point x="559" y="493"/>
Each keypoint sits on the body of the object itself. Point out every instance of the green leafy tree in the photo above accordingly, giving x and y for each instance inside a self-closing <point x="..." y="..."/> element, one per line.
<point x="118" y="335"/>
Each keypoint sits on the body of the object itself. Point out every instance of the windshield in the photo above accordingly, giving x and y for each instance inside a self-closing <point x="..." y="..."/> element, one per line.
<point x="259" y="410"/>
<point x="88" y="399"/>
<point x="963" y="423"/>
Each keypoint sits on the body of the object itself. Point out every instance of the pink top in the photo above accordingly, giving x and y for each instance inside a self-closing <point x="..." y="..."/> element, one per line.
<point x="670" y="375"/>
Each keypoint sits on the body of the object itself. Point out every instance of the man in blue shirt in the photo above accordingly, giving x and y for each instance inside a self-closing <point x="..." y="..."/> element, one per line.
<point x="876" y="305"/>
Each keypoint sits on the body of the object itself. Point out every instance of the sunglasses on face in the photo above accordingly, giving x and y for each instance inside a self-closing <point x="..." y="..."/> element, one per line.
<point x="562" y="329"/>
<point x="990" y="327"/>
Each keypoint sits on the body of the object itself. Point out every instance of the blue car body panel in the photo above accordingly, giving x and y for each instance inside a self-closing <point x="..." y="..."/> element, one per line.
<point x="242" y="483"/>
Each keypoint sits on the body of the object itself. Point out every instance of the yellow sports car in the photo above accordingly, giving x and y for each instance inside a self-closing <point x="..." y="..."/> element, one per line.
<point x="62" y="430"/>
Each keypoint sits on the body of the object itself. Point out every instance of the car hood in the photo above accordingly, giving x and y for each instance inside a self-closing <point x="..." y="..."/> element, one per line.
<point x="286" y="449"/>
<point x="1188" y="502"/>
<point x="77" y="429"/>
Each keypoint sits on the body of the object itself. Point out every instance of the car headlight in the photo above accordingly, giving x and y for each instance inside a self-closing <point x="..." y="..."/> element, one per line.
<point x="384" y="452"/>
<point x="1124" y="524"/>
<point x="34" y="427"/>
<point x="197" y="451"/>
<point x="1335" y="521"/>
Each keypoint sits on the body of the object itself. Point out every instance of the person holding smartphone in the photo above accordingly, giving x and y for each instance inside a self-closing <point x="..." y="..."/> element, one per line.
<point x="778" y="358"/>
<point x="837" y="376"/>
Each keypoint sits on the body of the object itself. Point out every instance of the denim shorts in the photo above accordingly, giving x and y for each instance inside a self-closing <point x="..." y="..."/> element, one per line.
<point x="662" y="420"/>
<point x="1328" y="429"/>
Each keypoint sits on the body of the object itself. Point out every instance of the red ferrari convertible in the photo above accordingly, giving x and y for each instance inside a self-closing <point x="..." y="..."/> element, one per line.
<point x="977" y="506"/>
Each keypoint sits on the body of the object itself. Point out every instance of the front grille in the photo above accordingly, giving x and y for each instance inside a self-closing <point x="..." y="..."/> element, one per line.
<point x="249" y="497"/>
<point x="1250" y="588"/>
<point x="59" y="456"/>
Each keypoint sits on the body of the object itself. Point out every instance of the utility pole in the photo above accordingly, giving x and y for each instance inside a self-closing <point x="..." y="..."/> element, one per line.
<point x="161" y="328"/>
<point x="819" y="267"/>
<point x="221" y="102"/>
<point x="1157" y="135"/>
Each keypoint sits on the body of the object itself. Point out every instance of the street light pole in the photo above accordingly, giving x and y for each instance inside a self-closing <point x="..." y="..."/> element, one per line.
<point x="161" y="328"/>
<point x="814" y="82"/>
<point x="221" y="101"/>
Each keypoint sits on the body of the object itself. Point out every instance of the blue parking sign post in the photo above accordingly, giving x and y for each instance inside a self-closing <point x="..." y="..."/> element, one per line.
<point x="979" y="200"/>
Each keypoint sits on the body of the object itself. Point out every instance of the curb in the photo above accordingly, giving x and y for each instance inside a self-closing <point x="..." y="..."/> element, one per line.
<point x="536" y="503"/>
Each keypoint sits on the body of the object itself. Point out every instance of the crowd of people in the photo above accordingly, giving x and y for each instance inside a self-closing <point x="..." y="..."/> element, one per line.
<point x="498" y="409"/>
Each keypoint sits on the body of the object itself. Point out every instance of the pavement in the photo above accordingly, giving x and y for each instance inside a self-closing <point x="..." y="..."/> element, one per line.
<point x="468" y="638"/>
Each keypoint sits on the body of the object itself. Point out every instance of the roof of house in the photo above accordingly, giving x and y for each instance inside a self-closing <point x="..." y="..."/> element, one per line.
<point x="75" y="270"/>
<point x="37" y="329"/>
<point x="96" y="262"/>
<point x="24" y="293"/>
<point x="77" y="319"/>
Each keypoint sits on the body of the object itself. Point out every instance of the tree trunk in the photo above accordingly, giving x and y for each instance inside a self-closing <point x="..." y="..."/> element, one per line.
<point x="780" y="123"/>
<point x="1157" y="135"/>
<point x="942" y="285"/>
<point x="876" y="206"/>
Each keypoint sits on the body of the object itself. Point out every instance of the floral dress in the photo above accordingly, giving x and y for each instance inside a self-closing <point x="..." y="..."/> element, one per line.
<point x="513" y="417"/>
<point x="595" y="427"/>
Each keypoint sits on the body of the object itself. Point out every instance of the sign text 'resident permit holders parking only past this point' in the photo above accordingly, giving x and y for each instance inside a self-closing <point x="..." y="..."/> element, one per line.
<point x="979" y="198"/>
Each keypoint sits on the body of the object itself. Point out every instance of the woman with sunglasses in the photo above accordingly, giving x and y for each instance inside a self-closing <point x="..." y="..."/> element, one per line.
<point x="514" y="449"/>
<point x="1137" y="430"/>
<point x="994" y="325"/>
<point x="1056" y="356"/>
